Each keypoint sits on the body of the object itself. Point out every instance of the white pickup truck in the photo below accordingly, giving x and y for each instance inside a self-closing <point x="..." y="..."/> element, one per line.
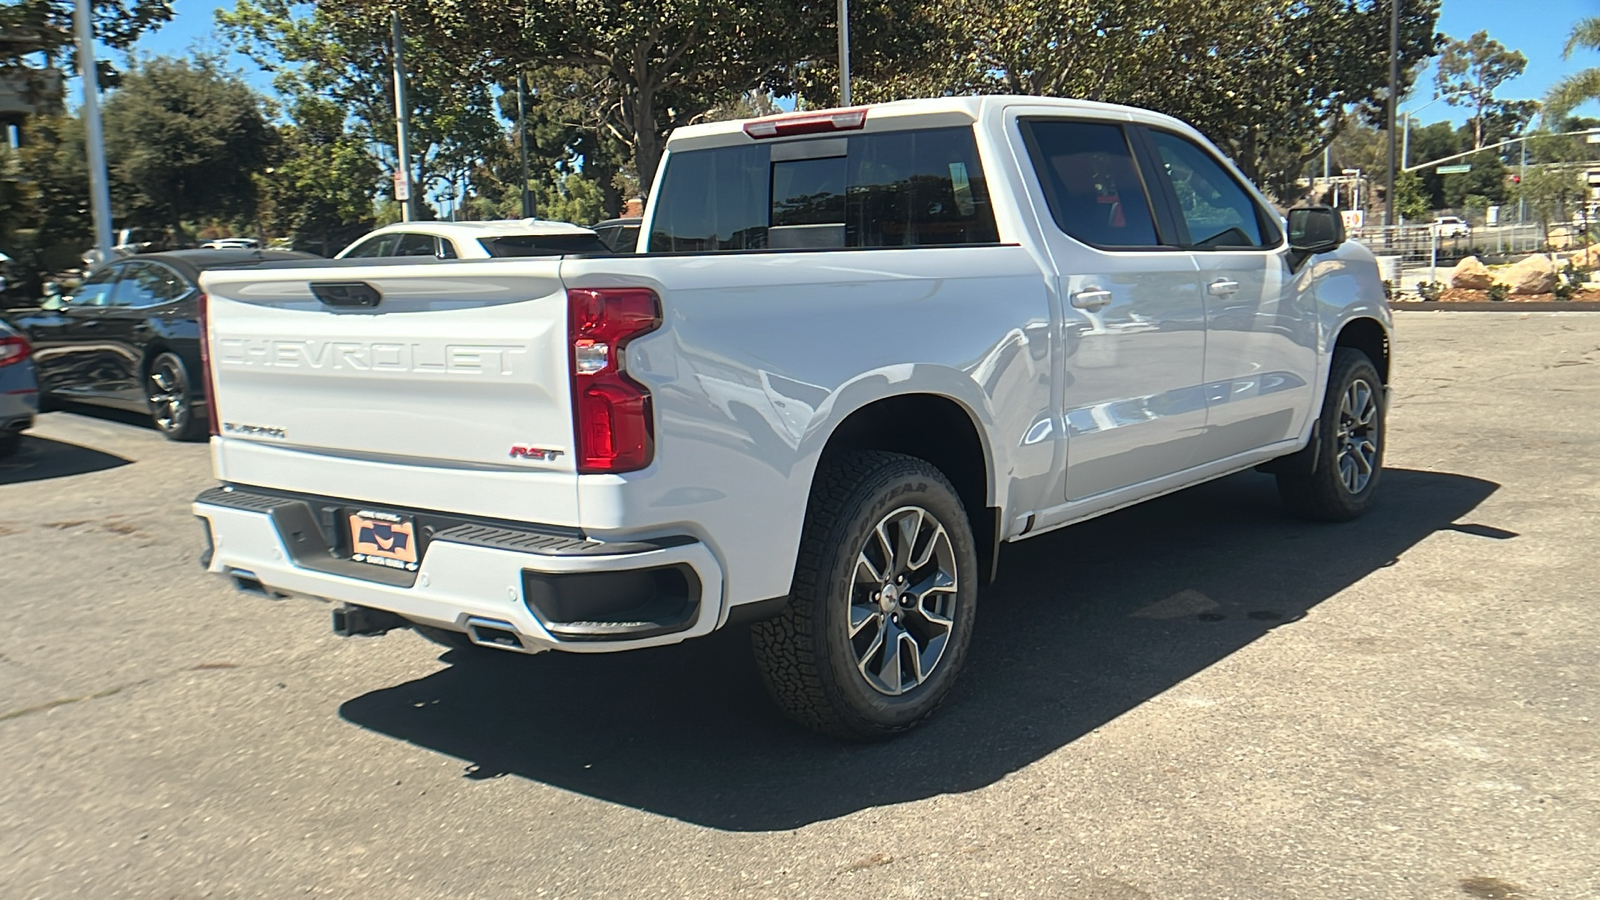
<point x="857" y="351"/>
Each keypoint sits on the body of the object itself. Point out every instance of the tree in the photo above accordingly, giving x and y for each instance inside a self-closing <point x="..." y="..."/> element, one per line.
<point x="341" y="52"/>
<point x="184" y="140"/>
<point x="1271" y="81"/>
<point x="1411" y="200"/>
<point x="1471" y="71"/>
<point x="1554" y="194"/>
<point x="1579" y="87"/>
<point x="321" y="185"/>
<point x="1486" y="178"/>
<point x="1428" y="143"/>
<point x="649" y="66"/>
<point x="44" y="27"/>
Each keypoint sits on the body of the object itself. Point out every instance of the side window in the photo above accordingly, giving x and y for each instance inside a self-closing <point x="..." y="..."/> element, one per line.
<point x="417" y="245"/>
<point x="96" y="289"/>
<point x="375" y="246"/>
<point x="713" y="200"/>
<point x="446" y="248"/>
<point x="1218" y="211"/>
<point x="918" y="188"/>
<point x="147" y="284"/>
<point x="895" y="189"/>
<point x="1091" y="182"/>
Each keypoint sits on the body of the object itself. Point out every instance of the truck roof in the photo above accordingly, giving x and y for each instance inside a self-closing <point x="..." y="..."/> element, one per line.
<point x="968" y="109"/>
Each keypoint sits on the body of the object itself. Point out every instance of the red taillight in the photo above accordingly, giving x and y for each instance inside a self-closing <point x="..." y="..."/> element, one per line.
<point x="807" y="123"/>
<point x="14" y="348"/>
<point x="611" y="414"/>
<point x="204" y="303"/>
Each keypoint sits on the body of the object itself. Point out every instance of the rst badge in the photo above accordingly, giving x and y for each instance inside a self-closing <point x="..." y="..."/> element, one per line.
<point x="535" y="453"/>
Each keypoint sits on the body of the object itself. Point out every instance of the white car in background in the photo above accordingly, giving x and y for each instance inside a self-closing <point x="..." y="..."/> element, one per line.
<point x="1452" y="226"/>
<point x="476" y="240"/>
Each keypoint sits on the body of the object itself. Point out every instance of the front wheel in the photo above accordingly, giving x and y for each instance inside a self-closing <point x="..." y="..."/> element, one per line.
<point x="172" y="399"/>
<point x="1349" y="453"/>
<point x="882" y="605"/>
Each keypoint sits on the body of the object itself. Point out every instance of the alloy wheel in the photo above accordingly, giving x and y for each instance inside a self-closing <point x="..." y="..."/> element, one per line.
<point x="903" y="598"/>
<point x="168" y="390"/>
<point x="1357" y="435"/>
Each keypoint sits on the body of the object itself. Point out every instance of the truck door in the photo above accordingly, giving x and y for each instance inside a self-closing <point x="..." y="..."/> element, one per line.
<point x="1132" y="320"/>
<point x="1261" y="333"/>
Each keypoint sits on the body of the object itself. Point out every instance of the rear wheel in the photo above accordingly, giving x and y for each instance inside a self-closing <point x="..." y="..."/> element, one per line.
<point x="883" y="600"/>
<point x="10" y="442"/>
<point x="1349" y="455"/>
<point x="172" y="399"/>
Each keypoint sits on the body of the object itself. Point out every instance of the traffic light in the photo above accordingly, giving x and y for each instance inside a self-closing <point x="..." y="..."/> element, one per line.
<point x="1516" y="179"/>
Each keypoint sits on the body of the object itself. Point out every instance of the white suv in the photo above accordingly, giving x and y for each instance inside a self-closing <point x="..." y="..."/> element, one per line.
<point x="1452" y="226"/>
<point x="475" y="240"/>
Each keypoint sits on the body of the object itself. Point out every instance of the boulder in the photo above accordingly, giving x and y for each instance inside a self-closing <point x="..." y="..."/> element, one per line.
<point x="1535" y="275"/>
<point x="1471" y="275"/>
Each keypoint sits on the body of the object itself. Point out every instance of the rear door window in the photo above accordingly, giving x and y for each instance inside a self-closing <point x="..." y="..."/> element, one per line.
<point x="147" y="284"/>
<point x="417" y="245"/>
<point x="1091" y="182"/>
<point x="376" y="246"/>
<point x="893" y="189"/>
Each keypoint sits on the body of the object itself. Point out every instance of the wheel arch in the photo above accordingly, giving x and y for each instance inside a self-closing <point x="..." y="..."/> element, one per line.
<point x="945" y="433"/>
<point x="1369" y="336"/>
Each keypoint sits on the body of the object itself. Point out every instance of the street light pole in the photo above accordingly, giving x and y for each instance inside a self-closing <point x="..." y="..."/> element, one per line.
<point x="402" y="122"/>
<point x="94" y="138"/>
<point x="844" y="52"/>
<point x="1394" y="100"/>
<point x="522" y="141"/>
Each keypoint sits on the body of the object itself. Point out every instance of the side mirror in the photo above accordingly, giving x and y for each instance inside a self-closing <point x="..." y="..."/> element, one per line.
<point x="1315" y="229"/>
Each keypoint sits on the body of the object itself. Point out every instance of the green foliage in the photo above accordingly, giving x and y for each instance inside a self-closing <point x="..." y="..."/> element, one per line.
<point x="1553" y="194"/>
<point x="1268" y="80"/>
<point x="184" y="141"/>
<point x="323" y="181"/>
<point x="44" y="27"/>
<point x="1498" y="292"/>
<point x="1430" y="290"/>
<point x="1563" y="291"/>
<point x="1579" y="87"/>
<point x="340" y="51"/>
<point x="1471" y="71"/>
<point x="1486" y="179"/>
<point x="1410" y="200"/>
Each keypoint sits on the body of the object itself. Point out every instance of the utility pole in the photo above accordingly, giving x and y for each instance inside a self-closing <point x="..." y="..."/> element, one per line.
<point x="1394" y="100"/>
<point x="95" y="144"/>
<point x="1522" y="176"/>
<point x="522" y="141"/>
<point x="402" y="124"/>
<point x="844" y="52"/>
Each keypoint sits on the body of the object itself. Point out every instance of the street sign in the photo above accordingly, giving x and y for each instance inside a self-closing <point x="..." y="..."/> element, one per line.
<point x="1454" y="170"/>
<point x="402" y="187"/>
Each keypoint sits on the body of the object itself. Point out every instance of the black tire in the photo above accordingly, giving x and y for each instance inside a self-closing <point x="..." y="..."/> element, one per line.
<point x="173" y="399"/>
<point x="10" y="443"/>
<point x="1326" y="491"/>
<point x="812" y="666"/>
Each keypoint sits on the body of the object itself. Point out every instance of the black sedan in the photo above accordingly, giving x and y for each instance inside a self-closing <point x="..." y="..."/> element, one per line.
<point x="129" y="337"/>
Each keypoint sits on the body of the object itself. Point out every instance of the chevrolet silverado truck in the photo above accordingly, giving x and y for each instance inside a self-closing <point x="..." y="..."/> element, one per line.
<point x="855" y="353"/>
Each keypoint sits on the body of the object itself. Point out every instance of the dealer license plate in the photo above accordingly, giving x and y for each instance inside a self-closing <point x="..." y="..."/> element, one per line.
<point x="383" y="539"/>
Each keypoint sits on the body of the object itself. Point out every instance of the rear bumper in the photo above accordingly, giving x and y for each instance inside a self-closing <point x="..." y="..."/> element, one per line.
<point x="554" y="591"/>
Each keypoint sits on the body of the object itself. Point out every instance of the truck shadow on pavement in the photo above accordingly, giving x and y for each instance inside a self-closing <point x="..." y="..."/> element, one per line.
<point x="1083" y="626"/>
<point x="40" y="458"/>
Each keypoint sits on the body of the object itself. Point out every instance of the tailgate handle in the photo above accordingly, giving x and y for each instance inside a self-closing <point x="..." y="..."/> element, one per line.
<point x="357" y="294"/>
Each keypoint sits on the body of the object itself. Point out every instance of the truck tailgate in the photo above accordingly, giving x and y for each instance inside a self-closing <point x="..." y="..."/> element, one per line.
<point x="419" y="400"/>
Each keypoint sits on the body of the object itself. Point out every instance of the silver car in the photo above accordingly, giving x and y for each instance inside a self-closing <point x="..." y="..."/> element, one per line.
<point x="19" y="392"/>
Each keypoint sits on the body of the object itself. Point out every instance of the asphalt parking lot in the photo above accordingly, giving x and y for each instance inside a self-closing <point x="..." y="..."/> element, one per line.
<point x="1197" y="698"/>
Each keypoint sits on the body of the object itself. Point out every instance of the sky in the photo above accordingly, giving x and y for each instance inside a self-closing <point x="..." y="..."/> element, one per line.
<point x="1538" y="28"/>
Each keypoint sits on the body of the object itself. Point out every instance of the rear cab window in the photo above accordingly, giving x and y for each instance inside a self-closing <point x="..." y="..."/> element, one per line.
<point x="911" y="188"/>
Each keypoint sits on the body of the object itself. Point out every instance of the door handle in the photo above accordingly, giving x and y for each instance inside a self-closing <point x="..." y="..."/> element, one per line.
<point x="1223" y="287"/>
<point x="1091" y="299"/>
